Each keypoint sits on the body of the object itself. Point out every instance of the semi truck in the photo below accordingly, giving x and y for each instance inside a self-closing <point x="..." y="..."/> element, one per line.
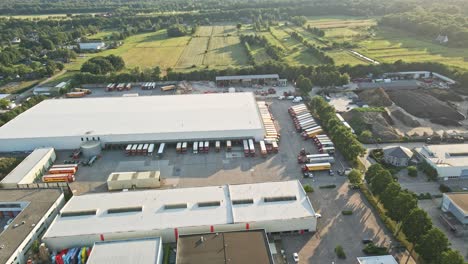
<point x="329" y="150"/>
<point x="134" y="149"/>
<point x="75" y="166"/>
<point x="246" y="147"/>
<point x="228" y="145"/>
<point x="184" y="147"/>
<point x="310" y="167"/>
<point x="251" y="148"/>
<point x="306" y="135"/>
<point x="69" y="170"/>
<point x="217" y="146"/>
<point x="75" y="94"/>
<point x="150" y="149"/>
<point x="195" y="147"/>
<point x="64" y="177"/>
<point x="324" y="143"/>
<point x="263" y="150"/>
<point x="301" y="158"/>
<point x="110" y="87"/>
<point x="179" y="147"/>
<point x="161" y="150"/>
<point x="168" y="88"/>
<point x="145" y="149"/>
<point x="200" y="147"/>
<point x="207" y="147"/>
<point x="86" y="91"/>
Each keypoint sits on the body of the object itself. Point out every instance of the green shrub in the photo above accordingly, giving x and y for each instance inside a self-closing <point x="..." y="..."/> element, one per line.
<point x="308" y="188"/>
<point x="374" y="250"/>
<point x="412" y="171"/>
<point x="424" y="196"/>
<point x="331" y="186"/>
<point x="347" y="212"/>
<point x="35" y="246"/>
<point x="340" y="252"/>
<point x="444" y="188"/>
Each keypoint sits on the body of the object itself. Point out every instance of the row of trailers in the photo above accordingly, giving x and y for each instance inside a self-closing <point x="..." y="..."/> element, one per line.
<point x="304" y="122"/>
<point x="201" y="147"/>
<point x="118" y="87"/>
<point x="61" y="173"/>
<point x="268" y="122"/>
<point x="144" y="149"/>
<point x="266" y="147"/>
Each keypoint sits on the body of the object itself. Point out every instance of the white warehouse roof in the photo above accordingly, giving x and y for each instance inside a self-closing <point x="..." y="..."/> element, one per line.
<point x="178" y="208"/>
<point x="161" y="118"/>
<point x="20" y="171"/>
<point x="141" y="251"/>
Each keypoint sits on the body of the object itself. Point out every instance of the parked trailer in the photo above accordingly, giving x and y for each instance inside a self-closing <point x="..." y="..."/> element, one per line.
<point x="57" y="166"/>
<point x="134" y="149"/>
<point x="217" y="146"/>
<point x="86" y="91"/>
<point x="263" y="149"/>
<point x="251" y="147"/>
<point x="128" y="149"/>
<point x="322" y="159"/>
<point x="329" y="150"/>
<point x="201" y="146"/>
<point x="145" y="149"/>
<point x="309" y="126"/>
<point x="179" y="147"/>
<point x="207" y="147"/>
<point x="324" y="143"/>
<point x="302" y="117"/>
<point x="140" y="148"/>
<point x="110" y="87"/>
<point x="63" y="177"/>
<point x="316" y="167"/>
<point x="168" y="88"/>
<point x="161" y="150"/>
<point x="307" y="135"/>
<point x="62" y="170"/>
<point x="274" y="144"/>
<point x="184" y="147"/>
<point x="246" y="147"/>
<point x="305" y="131"/>
<point x="304" y="159"/>
<point x="150" y="149"/>
<point x="120" y="86"/>
<point x="75" y="94"/>
<point x="195" y="147"/>
<point x="128" y="86"/>
<point x="228" y="146"/>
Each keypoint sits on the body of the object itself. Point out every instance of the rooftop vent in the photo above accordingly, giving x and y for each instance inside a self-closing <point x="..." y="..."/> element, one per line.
<point x="78" y="213"/>
<point x="175" y="206"/>
<point x="209" y="204"/>
<point x="242" y="201"/>
<point x="279" y="199"/>
<point x="125" y="210"/>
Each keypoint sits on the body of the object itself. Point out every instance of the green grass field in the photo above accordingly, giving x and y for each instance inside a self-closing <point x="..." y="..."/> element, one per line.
<point x="155" y="49"/>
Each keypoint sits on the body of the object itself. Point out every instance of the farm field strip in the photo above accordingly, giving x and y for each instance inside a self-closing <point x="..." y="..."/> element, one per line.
<point x="225" y="51"/>
<point x="259" y="54"/>
<point x="340" y="23"/>
<point x="194" y="53"/>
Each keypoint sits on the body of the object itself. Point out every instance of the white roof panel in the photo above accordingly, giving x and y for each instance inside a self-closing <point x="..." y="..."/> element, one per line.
<point x="18" y="173"/>
<point x="136" y="115"/>
<point x="386" y="259"/>
<point x="261" y="210"/>
<point x="141" y="251"/>
<point x="154" y="215"/>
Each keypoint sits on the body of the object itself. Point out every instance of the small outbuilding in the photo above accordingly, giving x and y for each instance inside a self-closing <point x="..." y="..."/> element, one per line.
<point x="457" y="205"/>
<point x="397" y="155"/>
<point x="130" y="180"/>
<point x="142" y="251"/>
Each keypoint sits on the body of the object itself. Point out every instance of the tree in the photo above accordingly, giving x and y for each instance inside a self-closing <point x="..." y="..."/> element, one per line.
<point x="365" y="135"/>
<point x="452" y="257"/>
<point x="4" y="103"/>
<point x="373" y="171"/>
<point x="388" y="196"/>
<point x="380" y="182"/>
<point x="416" y="225"/>
<point x="403" y="203"/>
<point x="239" y="26"/>
<point x="304" y="84"/>
<point x="355" y="177"/>
<point x="176" y="30"/>
<point x="432" y="245"/>
<point x="116" y="61"/>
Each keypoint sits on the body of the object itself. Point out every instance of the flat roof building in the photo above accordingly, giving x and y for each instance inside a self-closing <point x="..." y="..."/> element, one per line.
<point x="457" y="204"/>
<point x="450" y="161"/>
<point x="273" y="206"/>
<point x="141" y="251"/>
<point x="67" y="123"/>
<point x="33" y="166"/>
<point x="385" y="259"/>
<point x="248" y="80"/>
<point x="237" y="247"/>
<point x="32" y="210"/>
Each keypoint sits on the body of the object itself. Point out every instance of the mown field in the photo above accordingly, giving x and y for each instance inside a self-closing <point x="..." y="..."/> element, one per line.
<point x="210" y="46"/>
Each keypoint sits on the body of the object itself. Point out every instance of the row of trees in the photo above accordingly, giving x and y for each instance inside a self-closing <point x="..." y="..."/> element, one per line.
<point x="432" y="24"/>
<point x="342" y="136"/>
<point x="312" y="49"/>
<point x="4" y="118"/>
<point x="401" y="206"/>
<point x="103" y="65"/>
<point x="273" y="51"/>
<point x="316" y="31"/>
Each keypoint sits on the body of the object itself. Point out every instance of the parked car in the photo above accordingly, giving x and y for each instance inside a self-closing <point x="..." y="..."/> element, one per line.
<point x="297" y="99"/>
<point x="367" y="241"/>
<point x="318" y="215"/>
<point x="296" y="257"/>
<point x="331" y="173"/>
<point x="291" y="97"/>
<point x="281" y="97"/>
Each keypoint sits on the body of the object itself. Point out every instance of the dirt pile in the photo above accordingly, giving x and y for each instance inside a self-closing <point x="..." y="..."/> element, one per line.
<point x="375" y="97"/>
<point x="422" y="104"/>
<point x="380" y="124"/>
<point x="405" y="119"/>
<point x="445" y="95"/>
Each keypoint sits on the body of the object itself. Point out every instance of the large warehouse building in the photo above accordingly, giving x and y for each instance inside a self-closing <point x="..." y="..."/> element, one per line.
<point x="67" y="123"/>
<point x="273" y="206"/>
<point x="450" y="161"/>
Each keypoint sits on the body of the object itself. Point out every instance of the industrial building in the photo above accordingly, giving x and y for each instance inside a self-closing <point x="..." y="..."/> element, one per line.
<point x="457" y="205"/>
<point x="385" y="259"/>
<point x="249" y="80"/>
<point x="236" y="247"/>
<point x="92" y="45"/>
<point x="32" y="210"/>
<point x="450" y="161"/>
<point x="141" y="251"/>
<point x="130" y="180"/>
<point x="68" y="123"/>
<point x="274" y="206"/>
<point x="32" y="167"/>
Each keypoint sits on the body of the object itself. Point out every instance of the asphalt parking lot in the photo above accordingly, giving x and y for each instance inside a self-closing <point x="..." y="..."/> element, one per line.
<point x="432" y="207"/>
<point x="188" y="170"/>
